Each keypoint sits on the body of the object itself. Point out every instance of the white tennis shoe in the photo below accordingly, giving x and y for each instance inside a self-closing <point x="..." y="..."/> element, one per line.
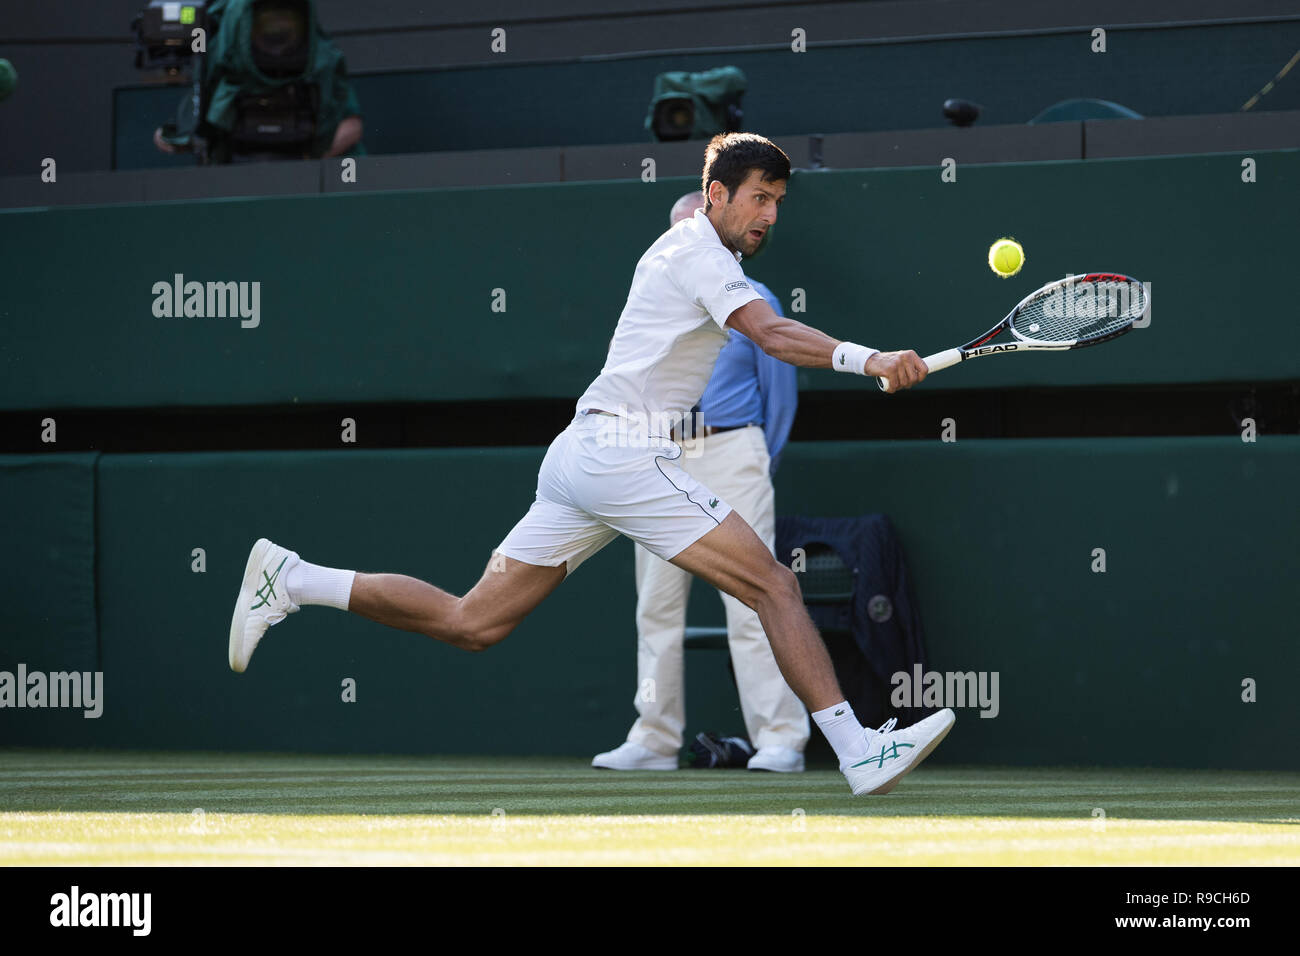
<point x="263" y="599"/>
<point x="893" y="754"/>
<point x="777" y="760"/>
<point x="632" y="756"/>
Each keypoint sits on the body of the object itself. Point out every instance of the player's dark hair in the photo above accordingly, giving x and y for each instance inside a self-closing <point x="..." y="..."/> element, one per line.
<point x="730" y="156"/>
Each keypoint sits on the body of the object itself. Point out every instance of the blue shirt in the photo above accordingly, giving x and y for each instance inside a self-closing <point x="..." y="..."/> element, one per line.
<point x="749" y="387"/>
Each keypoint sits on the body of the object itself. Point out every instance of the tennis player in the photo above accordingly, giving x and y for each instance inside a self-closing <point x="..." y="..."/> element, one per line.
<point x="614" y="470"/>
<point x="745" y="416"/>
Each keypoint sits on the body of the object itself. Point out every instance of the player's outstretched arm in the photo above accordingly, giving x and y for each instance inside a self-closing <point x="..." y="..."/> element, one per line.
<point x="802" y="345"/>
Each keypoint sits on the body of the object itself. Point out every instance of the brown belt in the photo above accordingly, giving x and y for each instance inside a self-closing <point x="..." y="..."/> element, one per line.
<point x="708" y="431"/>
<point x="705" y="432"/>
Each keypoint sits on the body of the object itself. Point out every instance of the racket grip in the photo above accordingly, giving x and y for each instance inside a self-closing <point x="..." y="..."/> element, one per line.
<point x="935" y="362"/>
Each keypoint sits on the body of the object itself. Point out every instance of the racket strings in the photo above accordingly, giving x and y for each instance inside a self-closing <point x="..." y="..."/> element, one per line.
<point x="1079" y="311"/>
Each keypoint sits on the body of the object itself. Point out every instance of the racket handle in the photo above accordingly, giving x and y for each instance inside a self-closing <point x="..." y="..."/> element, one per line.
<point x="935" y="362"/>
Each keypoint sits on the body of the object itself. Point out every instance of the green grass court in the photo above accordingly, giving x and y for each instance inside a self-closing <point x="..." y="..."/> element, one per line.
<point x="97" y="808"/>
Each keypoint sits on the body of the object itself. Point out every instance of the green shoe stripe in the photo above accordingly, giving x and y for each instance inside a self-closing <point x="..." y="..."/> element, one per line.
<point x="881" y="757"/>
<point x="269" y="586"/>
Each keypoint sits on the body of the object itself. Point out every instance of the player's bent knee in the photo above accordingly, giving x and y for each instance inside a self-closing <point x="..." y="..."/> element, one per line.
<point x="771" y="587"/>
<point x="473" y="635"/>
<point x="474" y="645"/>
<point x="780" y="586"/>
<point x="480" y="638"/>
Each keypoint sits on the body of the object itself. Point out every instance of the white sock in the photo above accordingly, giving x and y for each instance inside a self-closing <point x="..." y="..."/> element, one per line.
<point x="842" y="730"/>
<point x="311" y="584"/>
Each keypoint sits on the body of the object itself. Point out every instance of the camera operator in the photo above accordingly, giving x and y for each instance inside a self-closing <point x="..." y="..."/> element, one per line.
<point x="272" y="85"/>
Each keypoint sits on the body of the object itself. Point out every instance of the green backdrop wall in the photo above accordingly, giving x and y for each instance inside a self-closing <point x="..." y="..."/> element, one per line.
<point x="829" y="89"/>
<point x="1140" y="665"/>
<point x="389" y="296"/>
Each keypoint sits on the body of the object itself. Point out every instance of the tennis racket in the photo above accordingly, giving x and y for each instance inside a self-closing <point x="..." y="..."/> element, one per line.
<point x="1070" y="313"/>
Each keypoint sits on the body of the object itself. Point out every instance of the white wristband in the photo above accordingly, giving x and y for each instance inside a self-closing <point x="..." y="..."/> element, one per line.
<point x="851" y="358"/>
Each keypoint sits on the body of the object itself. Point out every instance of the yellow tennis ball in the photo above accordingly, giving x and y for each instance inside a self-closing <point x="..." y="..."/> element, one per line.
<point x="1006" y="257"/>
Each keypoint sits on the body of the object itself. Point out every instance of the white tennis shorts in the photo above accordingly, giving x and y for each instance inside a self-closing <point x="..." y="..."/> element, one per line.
<point x="599" y="481"/>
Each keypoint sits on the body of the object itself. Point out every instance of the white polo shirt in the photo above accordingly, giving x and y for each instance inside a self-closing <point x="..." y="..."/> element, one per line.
<point x="673" y="326"/>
